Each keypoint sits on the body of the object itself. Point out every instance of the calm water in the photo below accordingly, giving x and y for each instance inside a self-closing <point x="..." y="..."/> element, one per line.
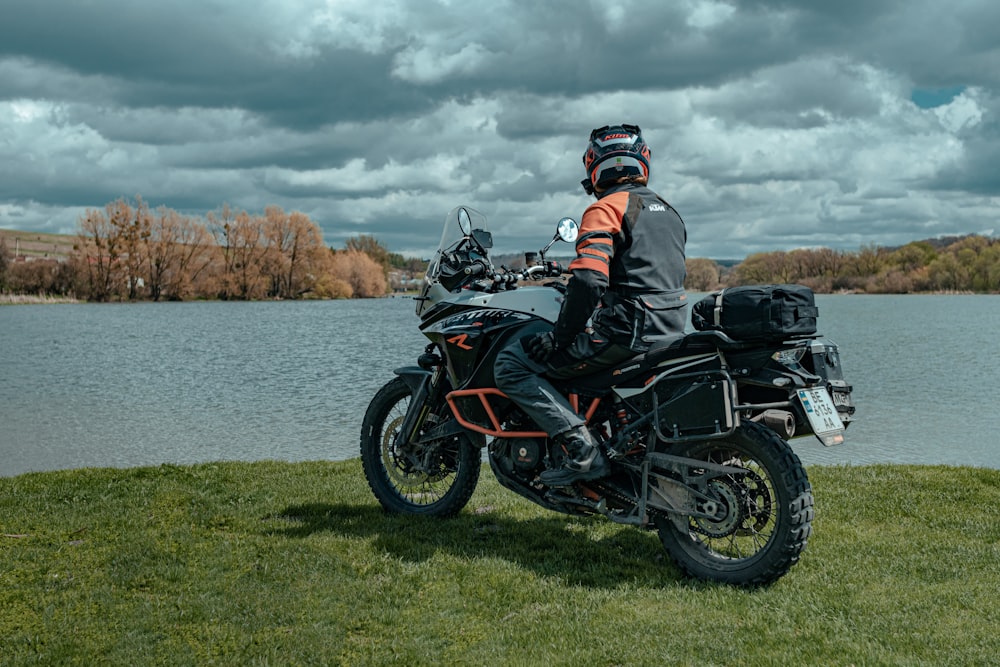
<point x="143" y="384"/>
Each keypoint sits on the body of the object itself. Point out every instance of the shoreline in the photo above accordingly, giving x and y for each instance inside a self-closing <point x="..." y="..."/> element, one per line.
<point x="34" y="299"/>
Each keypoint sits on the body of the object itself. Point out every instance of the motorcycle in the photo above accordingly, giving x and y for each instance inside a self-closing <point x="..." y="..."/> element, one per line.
<point x="696" y="429"/>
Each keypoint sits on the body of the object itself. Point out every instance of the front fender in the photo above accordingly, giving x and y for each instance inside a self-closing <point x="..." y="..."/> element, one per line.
<point x="418" y="380"/>
<point x="414" y="376"/>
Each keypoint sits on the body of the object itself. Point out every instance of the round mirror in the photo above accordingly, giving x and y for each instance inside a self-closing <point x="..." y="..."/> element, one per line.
<point x="568" y="230"/>
<point x="464" y="221"/>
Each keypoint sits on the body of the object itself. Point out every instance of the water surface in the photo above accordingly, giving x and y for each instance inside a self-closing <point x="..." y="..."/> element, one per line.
<point x="142" y="384"/>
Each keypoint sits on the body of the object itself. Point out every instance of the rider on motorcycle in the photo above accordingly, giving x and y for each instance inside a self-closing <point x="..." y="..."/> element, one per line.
<point x="627" y="279"/>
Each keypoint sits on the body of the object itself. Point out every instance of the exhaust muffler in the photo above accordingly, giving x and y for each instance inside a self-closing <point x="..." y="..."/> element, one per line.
<point x="781" y="422"/>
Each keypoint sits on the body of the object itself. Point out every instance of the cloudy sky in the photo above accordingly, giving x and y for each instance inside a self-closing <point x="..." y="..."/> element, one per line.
<point x="774" y="124"/>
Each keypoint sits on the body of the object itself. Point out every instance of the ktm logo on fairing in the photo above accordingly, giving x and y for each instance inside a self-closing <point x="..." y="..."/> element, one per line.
<point x="459" y="341"/>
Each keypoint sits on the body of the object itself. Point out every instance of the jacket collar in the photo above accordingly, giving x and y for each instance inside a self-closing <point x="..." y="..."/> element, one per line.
<point x="620" y="187"/>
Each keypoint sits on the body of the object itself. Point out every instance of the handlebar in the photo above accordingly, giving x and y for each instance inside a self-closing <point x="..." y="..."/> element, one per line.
<point x="531" y="271"/>
<point x="476" y="269"/>
<point x="503" y="279"/>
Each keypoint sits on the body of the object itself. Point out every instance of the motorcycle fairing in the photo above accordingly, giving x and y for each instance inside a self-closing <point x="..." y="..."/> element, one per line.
<point x="537" y="302"/>
<point x="463" y="333"/>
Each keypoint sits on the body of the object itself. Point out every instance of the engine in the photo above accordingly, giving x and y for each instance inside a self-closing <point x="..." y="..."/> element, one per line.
<point x="522" y="457"/>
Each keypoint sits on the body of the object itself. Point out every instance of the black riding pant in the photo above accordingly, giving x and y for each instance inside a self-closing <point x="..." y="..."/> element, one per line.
<point x="526" y="382"/>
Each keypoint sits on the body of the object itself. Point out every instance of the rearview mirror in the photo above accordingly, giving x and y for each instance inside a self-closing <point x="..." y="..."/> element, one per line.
<point x="568" y="230"/>
<point x="464" y="222"/>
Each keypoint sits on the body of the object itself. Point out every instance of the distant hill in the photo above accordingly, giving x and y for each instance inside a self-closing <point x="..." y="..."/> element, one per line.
<point x="38" y="245"/>
<point x="936" y="243"/>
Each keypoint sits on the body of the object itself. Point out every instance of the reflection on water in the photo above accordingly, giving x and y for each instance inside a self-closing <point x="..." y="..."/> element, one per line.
<point x="142" y="384"/>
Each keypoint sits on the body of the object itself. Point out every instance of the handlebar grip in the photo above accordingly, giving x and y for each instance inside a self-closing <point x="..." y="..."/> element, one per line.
<point x="476" y="269"/>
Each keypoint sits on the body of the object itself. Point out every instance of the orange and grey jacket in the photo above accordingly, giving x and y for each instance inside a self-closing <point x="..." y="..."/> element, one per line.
<point x="628" y="275"/>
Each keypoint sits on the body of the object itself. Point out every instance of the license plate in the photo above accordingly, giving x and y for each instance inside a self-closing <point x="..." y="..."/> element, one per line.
<point x="822" y="415"/>
<point x="840" y="398"/>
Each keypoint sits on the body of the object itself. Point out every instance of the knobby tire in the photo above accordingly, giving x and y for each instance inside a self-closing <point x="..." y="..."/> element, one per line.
<point x="399" y="485"/>
<point x="767" y="537"/>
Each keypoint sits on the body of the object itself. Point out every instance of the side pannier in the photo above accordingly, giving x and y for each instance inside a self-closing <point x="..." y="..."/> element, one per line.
<point x="758" y="312"/>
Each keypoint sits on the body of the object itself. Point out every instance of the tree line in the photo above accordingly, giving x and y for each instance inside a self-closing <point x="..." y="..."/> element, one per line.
<point x="128" y="252"/>
<point x="955" y="264"/>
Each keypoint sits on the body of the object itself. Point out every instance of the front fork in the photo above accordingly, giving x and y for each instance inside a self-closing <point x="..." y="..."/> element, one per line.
<point x="425" y="382"/>
<point x="425" y="385"/>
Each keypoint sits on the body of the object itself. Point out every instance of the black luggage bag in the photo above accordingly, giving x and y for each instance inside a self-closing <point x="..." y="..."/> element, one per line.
<point x="758" y="312"/>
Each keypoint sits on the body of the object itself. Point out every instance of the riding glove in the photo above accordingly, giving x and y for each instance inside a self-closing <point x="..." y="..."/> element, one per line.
<point x="540" y="346"/>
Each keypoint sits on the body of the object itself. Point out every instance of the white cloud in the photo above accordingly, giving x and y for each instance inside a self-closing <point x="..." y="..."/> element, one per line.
<point x="428" y="64"/>
<point x="709" y="14"/>
<point x="384" y="116"/>
<point x="371" y="27"/>
<point x="26" y="111"/>
<point x="961" y="113"/>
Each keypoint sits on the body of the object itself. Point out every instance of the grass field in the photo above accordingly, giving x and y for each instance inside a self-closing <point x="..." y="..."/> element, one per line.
<point x="38" y="245"/>
<point x="285" y="564"/>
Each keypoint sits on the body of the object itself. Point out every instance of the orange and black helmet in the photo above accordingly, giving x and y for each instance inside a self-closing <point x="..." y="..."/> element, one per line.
<point x="614" y="151"/>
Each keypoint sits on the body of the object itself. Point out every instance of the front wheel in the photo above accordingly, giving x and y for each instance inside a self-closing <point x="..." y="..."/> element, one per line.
<point x="768" y="518"/>
<point x="435" y="478"/>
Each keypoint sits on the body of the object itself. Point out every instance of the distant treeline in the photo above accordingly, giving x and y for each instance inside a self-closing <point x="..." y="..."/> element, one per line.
<point x="129" y="252"/>
<point x="957" y="264"/>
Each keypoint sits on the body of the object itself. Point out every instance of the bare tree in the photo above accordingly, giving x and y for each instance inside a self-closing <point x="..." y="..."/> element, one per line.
<point x="4" y="263"/>
<point x="241" y="239"/>
<point x="702" y="275"/>
<point x="297" y="257"/>
<point x="370" y="246"/>
<point x="131" y="224"/>
<point x="100" y="253"/>
<point x="762" y="268"/>
<point x="361" y="272"/>
<point x="180" y="249"/>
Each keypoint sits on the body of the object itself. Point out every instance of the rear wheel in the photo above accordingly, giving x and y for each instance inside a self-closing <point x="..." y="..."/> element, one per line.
<point x="436" y="478"/>
<point x="768" y="517"/>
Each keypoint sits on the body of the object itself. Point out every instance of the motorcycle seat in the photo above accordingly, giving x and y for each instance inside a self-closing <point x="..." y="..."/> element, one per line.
<point x="639" y="366"/>
<point x="695" y="343"/>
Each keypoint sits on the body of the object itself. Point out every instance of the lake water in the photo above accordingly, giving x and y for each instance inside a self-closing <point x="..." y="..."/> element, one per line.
<point x="125" y="385"/>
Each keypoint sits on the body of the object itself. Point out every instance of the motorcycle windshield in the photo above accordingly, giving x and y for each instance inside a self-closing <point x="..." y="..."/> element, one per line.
<point x="461" y="226"/>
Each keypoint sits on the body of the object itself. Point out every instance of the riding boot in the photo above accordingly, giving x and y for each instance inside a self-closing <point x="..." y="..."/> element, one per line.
<point x="582" y="461"/>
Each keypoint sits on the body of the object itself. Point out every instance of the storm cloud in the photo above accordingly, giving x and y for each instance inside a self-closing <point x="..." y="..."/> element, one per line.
<point x="773" y="124"/>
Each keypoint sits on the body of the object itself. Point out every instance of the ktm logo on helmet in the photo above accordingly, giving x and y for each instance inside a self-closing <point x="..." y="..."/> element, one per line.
<point x="617" y="136"/>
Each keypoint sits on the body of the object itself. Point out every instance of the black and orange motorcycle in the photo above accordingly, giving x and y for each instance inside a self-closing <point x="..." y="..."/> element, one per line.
<point x="696" y="429"/>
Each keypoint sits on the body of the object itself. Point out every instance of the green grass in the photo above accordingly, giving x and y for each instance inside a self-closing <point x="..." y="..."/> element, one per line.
<point x="284" y="564"/>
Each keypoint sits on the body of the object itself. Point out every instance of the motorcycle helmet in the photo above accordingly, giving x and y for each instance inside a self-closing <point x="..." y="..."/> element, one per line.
<point x="612" y="152"/>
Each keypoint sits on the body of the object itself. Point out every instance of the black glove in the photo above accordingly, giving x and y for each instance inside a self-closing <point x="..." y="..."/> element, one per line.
<point x="557" y="285"/>
<point x="553" y="269"/>
<point x="540" y="347"/>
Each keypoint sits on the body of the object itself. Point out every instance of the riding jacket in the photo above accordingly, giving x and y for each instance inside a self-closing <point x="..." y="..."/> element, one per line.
<point x="628" y="274"/>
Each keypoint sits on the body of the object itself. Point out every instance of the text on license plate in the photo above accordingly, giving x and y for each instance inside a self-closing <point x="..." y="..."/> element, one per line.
<point x="822" y="415"/>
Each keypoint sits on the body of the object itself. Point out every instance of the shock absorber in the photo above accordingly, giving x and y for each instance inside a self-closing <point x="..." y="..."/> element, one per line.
<point x="621" y="414"/>
<point x="621" y="444"/>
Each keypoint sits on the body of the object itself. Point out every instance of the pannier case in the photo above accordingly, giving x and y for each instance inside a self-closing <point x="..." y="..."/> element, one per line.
<point x="758" y="312"/>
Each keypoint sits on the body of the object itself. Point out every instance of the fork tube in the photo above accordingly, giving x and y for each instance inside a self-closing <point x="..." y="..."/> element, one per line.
<point x="420" y="406"/>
